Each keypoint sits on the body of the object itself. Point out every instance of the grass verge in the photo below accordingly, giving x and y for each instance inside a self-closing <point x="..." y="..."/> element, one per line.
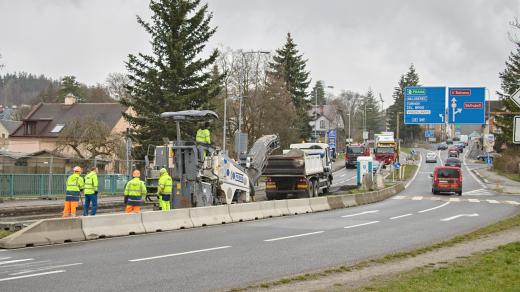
<point x="496" y="270"/>
<point x="511" y="176"/>
<point x="409" y="171"/>
<point x="4" y="233"/>
<point x="512" y="222"/>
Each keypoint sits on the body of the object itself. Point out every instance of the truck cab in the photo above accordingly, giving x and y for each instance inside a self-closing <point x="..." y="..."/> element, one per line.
<point x="352" y="152"/>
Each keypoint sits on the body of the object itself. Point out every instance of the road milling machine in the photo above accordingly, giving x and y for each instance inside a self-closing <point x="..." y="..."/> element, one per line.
<point x="204" y="175"/>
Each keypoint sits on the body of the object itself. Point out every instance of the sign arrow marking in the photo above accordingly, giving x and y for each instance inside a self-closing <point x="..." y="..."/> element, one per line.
<point x="458" y="216"/>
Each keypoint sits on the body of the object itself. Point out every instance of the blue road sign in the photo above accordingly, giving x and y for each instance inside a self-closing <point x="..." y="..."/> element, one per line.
<point x="466" y="105"/>
<point x="424" y="105"/>
<point x="429" y="133"/>
<point x="331" y="138"/>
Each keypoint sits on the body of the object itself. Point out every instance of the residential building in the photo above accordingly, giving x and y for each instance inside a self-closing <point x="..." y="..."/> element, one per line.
<point x="7" y="127"/>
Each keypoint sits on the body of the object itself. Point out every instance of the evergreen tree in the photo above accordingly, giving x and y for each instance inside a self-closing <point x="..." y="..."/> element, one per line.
<point x="319" y="91"/>
<point x="406" y="132"/>
<point x="370" y="111"/>
<point x="510" y="79"/>
<point x="288" y="64"/>
<point x="174" y="77"/>
<point x="68" y="85"/>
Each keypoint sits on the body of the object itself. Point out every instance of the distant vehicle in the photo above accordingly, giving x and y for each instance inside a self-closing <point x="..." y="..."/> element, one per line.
<point x="447" y="179"/>
<point x="442" y="147"/>
<point x="352" y="152"/>
<point x="449" y="141"/>
<point x="431" y="157"/>
<point x="452" y="161"/>
<point x="386" y="149"/>
<point x="453" y="152"/>
<point x="464" y="139"/>
<point x="461" y="146"/>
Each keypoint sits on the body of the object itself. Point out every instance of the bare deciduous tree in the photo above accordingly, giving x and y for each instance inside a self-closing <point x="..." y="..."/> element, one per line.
<point x="89" y="138"/>
<point x="117" y="84"/>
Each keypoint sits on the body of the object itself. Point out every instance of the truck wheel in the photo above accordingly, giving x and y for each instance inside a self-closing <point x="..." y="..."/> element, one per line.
<point x="327" y="188"/>
<point x="310" y="189"/>
<point x="316" y="187"/>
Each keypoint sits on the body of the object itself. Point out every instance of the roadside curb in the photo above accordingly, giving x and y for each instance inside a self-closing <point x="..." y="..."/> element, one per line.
<point x="480" y="176"/>
<point x="56" y="231"/>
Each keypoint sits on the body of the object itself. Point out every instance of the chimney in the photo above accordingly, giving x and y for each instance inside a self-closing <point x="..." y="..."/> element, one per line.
<point x="70" y="99"/>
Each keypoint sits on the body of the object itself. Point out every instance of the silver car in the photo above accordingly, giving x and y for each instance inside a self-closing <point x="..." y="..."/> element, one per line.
<point x="431" y="157"/>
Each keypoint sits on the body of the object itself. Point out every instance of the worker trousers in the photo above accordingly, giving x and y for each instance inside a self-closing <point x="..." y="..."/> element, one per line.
<point x="164" y="204"/>
<point x="69" y="209"/>
<point x="132" y="209"/>
<point x="90" y="199"/>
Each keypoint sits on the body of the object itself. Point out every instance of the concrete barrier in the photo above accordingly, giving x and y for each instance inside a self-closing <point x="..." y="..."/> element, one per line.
<point x="111" y="225"/>
<point x="212" y="215"/>
<point x="336" y="202"/>
<point x="299" y="206"/>
<point x="45" y="232"/>
<point x="155" y="221"/>
<point x="245" y="212"/>
<point x="319" y="204"/>
<point x="349" y="200"/>
<point x="270" y="209"/>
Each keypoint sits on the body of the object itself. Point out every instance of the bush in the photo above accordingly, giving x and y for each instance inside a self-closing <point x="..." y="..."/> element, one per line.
<point x="508" y="162"/>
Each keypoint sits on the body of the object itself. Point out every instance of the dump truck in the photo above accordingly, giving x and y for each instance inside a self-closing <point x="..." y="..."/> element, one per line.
<point x="386" y="149"/>
<point x="302" y="170"/>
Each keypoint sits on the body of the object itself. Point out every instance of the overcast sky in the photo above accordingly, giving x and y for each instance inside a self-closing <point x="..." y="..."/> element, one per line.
<point x="352" y="45"/>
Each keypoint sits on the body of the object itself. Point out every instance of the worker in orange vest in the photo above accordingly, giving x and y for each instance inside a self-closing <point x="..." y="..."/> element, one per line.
<point x="75" y="185"/>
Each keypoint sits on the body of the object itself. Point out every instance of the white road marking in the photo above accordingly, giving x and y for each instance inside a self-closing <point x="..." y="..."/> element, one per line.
<point x="401" y="216"/>
<point x="513" y="202"/>
<point x="14" y="261"/>
<point x="44" y="268"/>
<point x="398" y="197"/>
<point x="469" y="170"/>
<point x="474" y="200"/>
<point x="362" y="224"/>
<point x="493" y="201"/>
<point x="417" y="198"/>
<point x="4" y="258"/>
<point x="32" y="275"/>
<point x="293" y="236"/>
<point x="435" y="199"/>
<point x="454" y="200"/>
<point x="479" y="192"/>
<point x="458" y="216"/>
<point x="431" y="209"/>
<point x="362" y="213"/>
<point x="416" y="172"/>
<point x="440" y="158"/>
<point x="178" y="254"/>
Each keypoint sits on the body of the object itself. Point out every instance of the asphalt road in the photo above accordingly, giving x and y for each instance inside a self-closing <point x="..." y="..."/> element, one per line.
<point x="232" y="255"/>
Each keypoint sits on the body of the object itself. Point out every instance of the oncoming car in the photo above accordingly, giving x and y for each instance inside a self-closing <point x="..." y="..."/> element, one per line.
<point x="447" y="179"/>
<point x="431" y="157"/>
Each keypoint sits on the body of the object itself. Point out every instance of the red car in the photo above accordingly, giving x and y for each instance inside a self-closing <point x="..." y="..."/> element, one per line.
<point x="453" y="152"/>
<point x="447" y="179"/>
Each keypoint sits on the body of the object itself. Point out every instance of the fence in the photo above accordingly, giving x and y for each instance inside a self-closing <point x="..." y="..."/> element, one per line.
<point x="31" y="185"/>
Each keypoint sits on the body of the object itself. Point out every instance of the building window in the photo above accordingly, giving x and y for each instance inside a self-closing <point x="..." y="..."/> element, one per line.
<point x="322" y="124"/>
<point x="30" y="128"/>
<point x="57" y="128"/>
<point x="3" y="136"/>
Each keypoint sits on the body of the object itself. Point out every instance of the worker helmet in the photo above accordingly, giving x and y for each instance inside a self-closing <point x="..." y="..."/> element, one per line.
<point x="77" y="169"/>
<point x="163" y="170"/>
<point x="136" y="173"/>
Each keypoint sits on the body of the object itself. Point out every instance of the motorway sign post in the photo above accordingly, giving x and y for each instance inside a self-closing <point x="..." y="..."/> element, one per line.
<point x="331" y="140"/>
<point x="424" y="105"/>
<point x="516" y="130"/>
<point x="467" y="105"/>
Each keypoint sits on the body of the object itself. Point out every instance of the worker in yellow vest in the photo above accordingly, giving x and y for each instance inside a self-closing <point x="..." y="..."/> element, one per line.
<point x="75" y="185"/>
<point x="164" y="189"/>
<point x="134" y="191"/>
<point x="91" y="192"/>
<point x="204" y="137"/>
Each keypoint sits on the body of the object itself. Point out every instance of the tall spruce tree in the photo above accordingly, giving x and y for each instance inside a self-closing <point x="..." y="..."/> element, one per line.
<point x="406" y="132"/>
<point x="69" y="85"/>
<point x="288" y="64"/>
<point x="174" y="77"/>
<point x="510" y="82"/>
<point x="318" y="92"/>
<point x="369" y="109"/>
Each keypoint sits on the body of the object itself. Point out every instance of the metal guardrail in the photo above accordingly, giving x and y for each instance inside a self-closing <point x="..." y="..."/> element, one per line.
<point x="41" y="185"/>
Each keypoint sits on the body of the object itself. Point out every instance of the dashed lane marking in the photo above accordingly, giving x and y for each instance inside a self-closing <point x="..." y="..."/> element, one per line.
<point x="401" y="216"/>
<point x="458" y="216"/>
<point x="362" y="213"/>
<point x="294" y="236"/>
<point x="417" y="198"/>
<point x="32" y="275"/>
<point x="431" y="209"/>
<point x="44" y="268"/>
<point x="362" y="224"/>
<point x="479" y="192"/>
<point x="14" y="261"/>
<point x="458" y="200"/>
<point x="178" y="254"/>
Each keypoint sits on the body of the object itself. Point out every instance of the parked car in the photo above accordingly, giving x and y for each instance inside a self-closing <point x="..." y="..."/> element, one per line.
<point x="453" y="152"/>
<point x="442" y="147"/>
<point x="452" y="161"/>
<point x="447" y="179"/>
<point x="431" y="157"/>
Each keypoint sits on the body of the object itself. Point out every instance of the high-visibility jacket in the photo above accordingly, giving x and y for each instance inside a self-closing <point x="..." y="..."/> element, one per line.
<point x="134" y="190"/>
<point x="165" y="186"/>
<point x="91" y="183"/>
<point x="75" y="183"/>
<point x="203" y="136"/>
